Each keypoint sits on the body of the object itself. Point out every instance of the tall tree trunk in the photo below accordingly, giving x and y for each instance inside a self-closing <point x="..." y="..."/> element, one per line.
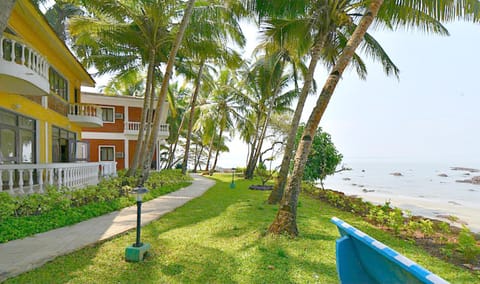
<point x="197" y="160"/>
<point x="193" y="102"/>
<point x="277" y="192"/>
<point x="258" y="150"/>
<point x="149" y="119"/>
<point x="212" y="170"/>
<point x="6" y="8"/>
<point x="172" y="156"/>
<point x="248" y="174"/>
<point x="142" y="135"/>
<point x="285" y="221"/>
<point x="210" y="150"/>
<point x="163" y="91"/>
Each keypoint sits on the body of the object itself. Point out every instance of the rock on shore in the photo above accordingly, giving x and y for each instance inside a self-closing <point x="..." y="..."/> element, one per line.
<point x="397" y="174"/>
<point x="473" y="180"/>
<point x="465" y="169"/>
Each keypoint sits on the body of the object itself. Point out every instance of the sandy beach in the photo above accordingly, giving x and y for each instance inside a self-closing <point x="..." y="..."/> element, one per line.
<point x="431" y="208"/>
<point x="426" y="189"/>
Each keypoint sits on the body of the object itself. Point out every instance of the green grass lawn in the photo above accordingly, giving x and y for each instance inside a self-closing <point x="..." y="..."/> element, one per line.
<point x="219" y="238"/>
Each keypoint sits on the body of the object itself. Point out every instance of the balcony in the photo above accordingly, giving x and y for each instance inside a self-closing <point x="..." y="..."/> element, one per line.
<point x="22" y="70"/>
<point x="85" y="115"/>
<point x="132" y="128"/>
<point x="19" y="179"/>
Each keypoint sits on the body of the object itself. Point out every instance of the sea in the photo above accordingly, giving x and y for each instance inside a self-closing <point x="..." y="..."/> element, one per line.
<point x="430" y="189"/>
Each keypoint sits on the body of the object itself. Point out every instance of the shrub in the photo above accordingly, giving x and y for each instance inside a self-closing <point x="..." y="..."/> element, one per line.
<point x="467" y="245"/>
<point x="7" y="205"/>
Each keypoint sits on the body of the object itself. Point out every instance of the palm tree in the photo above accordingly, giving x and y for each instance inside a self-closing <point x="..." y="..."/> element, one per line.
<point x="205" y="42"/>
<point x="130" y="83"/>
<point x="267" y="78"/>
<point x="153" y="135"/>
<point x="6" y="8"/>
<point x="308" y="35"/>
<point x="120" y="36"/>
<point x="220" y="112"/>
<point x="285" y="220"/>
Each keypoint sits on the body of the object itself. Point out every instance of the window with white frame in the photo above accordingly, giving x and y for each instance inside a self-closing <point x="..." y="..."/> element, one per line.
<point x="107" y="153"/>
<point x="108" y="114"/>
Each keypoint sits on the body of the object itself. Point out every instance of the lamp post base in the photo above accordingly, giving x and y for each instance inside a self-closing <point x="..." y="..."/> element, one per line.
<point x="136" y="254"/>
<point x="232" y="185"/>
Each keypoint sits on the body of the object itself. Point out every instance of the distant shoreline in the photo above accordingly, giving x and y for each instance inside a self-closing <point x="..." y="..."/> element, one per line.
<point x="434" y="209"/>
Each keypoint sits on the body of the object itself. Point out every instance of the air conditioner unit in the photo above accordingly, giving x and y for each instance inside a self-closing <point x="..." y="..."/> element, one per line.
<point x="118" y="115"/>
<point x="119" y="155"/>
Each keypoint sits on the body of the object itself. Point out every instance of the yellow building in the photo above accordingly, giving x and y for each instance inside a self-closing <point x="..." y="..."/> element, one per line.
<point x="40" y="111"/>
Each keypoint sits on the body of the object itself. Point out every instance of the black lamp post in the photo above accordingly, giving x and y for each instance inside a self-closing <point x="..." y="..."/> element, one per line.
<point x="232" y="184"/>
<point x="137" y="251"/>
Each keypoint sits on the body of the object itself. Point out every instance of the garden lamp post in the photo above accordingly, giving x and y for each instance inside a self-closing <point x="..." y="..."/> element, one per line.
<point x="232" y="184"/>
<point x="136" y="252"/>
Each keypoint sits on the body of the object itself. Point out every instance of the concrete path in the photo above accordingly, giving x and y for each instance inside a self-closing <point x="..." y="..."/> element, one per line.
<point x="26" y="254"/>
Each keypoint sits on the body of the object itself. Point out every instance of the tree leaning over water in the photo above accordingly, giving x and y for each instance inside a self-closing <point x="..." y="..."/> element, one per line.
<point x="285" y="220"/>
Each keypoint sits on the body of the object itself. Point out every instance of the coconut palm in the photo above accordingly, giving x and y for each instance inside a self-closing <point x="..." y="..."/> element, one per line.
<point x="204" y="44"/>
<point x="152" y="139"/>
<point x="121" y="36"/>
<point x="6" y="8"/>
<point x="267" y="79"/>
<point x="285" y="221"/>
<point x="220" y="112"/>
<point x="275" y="35"/>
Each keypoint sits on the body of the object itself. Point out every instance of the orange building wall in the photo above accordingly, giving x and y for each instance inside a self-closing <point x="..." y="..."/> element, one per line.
<point x="117" y="127"/>
<point x="135" y="114"/>
<point x="131" y="151"/>
<point x="95" y="150"/>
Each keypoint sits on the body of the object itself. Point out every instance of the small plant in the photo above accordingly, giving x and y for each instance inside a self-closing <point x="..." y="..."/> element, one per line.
<point x="467" y="245"/>
<point x="426" y="226"/>
<point x="264" y="174"/>
<point x="395" y="220"/>
<point x="7" y="205"/>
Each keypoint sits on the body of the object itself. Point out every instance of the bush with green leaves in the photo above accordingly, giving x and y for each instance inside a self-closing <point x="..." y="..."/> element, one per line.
<point x="25" y="215"/>
<point x="323" y="158"/>
<point x="467" y="245"/>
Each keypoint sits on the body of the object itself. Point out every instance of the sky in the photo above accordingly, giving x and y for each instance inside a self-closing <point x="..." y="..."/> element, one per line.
<point x="431" y="113"/>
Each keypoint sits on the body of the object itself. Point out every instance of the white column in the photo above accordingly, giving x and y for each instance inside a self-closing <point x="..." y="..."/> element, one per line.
<point x="126" y="155"/>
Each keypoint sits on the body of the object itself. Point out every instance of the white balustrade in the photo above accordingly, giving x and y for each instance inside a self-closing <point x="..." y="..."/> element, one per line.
<point x="29" y="178"/>
<point x="85" y="110"/>
<point x="133" y="127"/>
<point x="25" y="56"/>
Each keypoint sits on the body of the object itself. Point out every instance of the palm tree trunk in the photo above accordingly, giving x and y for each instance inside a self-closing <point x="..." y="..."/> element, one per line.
<point x="210" y="150"/>
<point x="285" y="221"/>
<point x="172" y="156"/>
<point x="277" y="192"/>
<point x="258" y="149"/>
<point x="6" y="8"/>
<point x="163" y="91"/>
<point x="248" y="171"/>
<point x="199" y="156"/>
<point x="149" y="119"/>
<point x="212" y="170"/>
<point x="193" y="102"/>
<point x="142" y="135"/>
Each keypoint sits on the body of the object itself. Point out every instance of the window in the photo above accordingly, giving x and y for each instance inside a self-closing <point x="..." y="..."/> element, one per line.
<point x="108" y="114"/>
<point x="17" y="138"/>
<point x="83" y="150"/>
<point x="58" y="84"/>
<point x="63" y="145"/>
<point x="107" y="153"/>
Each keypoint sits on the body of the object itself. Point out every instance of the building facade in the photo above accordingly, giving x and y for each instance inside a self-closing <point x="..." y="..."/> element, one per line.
<point x="41" y="114"/>
<point x="116" y="140"/>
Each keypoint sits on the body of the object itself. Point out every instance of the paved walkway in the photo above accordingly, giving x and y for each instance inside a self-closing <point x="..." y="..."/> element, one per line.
<point x="26" y="254"/>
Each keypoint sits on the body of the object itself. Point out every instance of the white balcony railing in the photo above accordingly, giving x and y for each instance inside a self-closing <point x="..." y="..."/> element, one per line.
<point x="21" y="61"/>
<point x="20" y="179"/>
<point x="85" y="115"/>
<point x="132" y="128"/>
